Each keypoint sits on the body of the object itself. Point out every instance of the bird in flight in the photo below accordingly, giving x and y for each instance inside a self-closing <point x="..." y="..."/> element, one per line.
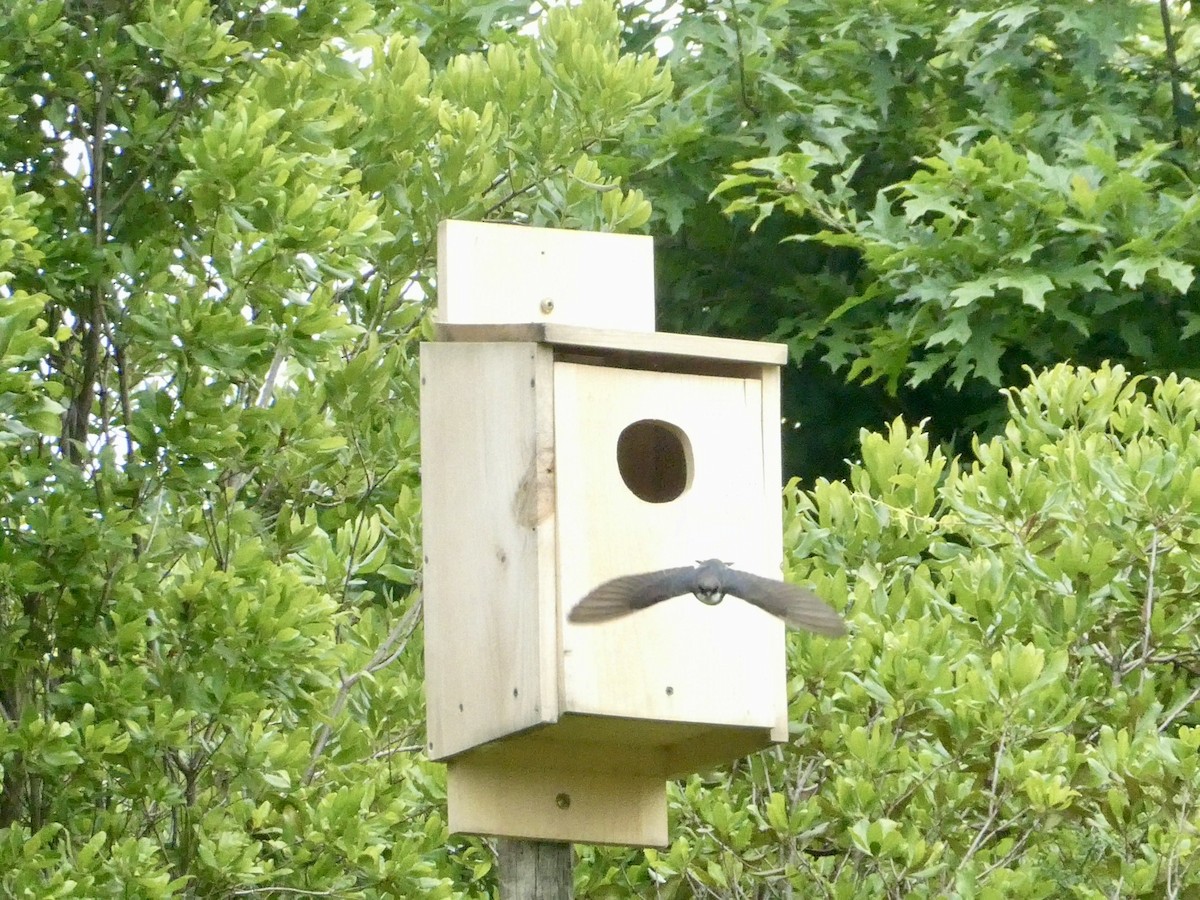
<point x="709" y="581"/>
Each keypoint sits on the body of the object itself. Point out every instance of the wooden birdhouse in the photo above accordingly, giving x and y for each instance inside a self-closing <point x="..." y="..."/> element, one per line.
<point x="564" y="443"/>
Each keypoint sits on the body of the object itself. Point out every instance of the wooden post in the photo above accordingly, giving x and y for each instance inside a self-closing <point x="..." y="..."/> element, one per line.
<point x="535" y="870"/>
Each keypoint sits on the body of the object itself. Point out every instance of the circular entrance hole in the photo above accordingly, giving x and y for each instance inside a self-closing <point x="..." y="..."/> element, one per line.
<point x="655" y="460"/>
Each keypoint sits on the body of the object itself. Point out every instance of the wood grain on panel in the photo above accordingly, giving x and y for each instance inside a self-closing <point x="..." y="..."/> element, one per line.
<point x="772" y="488"/>
<point x="488" y="516"/>
<point x="679" y="661"/>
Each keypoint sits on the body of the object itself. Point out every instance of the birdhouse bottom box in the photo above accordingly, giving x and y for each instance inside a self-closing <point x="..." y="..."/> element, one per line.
<point x="554" y="459"/>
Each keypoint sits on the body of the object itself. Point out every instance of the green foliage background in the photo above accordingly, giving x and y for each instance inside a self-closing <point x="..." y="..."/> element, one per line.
<point x="934" y="196"/>
<point x="216" y="245"/>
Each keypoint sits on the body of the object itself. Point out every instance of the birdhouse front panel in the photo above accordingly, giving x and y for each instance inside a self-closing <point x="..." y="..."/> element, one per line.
<point x="658" y="469"/>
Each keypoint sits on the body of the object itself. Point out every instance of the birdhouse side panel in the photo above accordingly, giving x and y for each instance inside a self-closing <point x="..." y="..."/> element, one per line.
<point x="488" y="517"/>
<point x="772" y="461"/>
<point x="657" y="470"/>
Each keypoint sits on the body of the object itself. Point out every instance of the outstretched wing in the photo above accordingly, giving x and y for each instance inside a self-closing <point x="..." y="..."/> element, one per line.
<point x="797" y="606"/>
<point x="629" y="593"/>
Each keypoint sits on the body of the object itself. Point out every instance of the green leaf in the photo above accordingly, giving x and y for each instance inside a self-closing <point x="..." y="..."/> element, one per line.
<point x="776" y="812"/>
<point x="1033" y="288"/>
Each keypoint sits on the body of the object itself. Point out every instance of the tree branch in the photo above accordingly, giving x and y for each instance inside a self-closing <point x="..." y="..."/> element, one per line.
<point x="1179" y="710"/>
<point x="993" y="803"/>
<point x="76" y="418"/>
<point x="389" y="651"/>
<point x="1178" y="101"/>
<point x="1148" y="607"/>
<point x="741" y="58"/>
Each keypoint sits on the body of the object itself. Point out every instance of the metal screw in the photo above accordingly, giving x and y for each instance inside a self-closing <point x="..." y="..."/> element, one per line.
<point x="547" y="306"/>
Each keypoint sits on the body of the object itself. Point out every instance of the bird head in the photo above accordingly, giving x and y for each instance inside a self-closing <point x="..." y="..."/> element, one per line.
<point x="710" y="586"/>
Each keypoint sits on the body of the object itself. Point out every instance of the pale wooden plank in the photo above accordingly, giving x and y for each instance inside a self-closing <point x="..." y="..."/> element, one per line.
<point x="616" y="745"/>
<point x="656" y="343"/>
<point x="546" y="529"/>
<point x="772" y="488"/>
<point x="679" y="661"/>
<point x="545" y="803"/>
<point x="491" y="272"/>
<point x="488" y="516"/>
